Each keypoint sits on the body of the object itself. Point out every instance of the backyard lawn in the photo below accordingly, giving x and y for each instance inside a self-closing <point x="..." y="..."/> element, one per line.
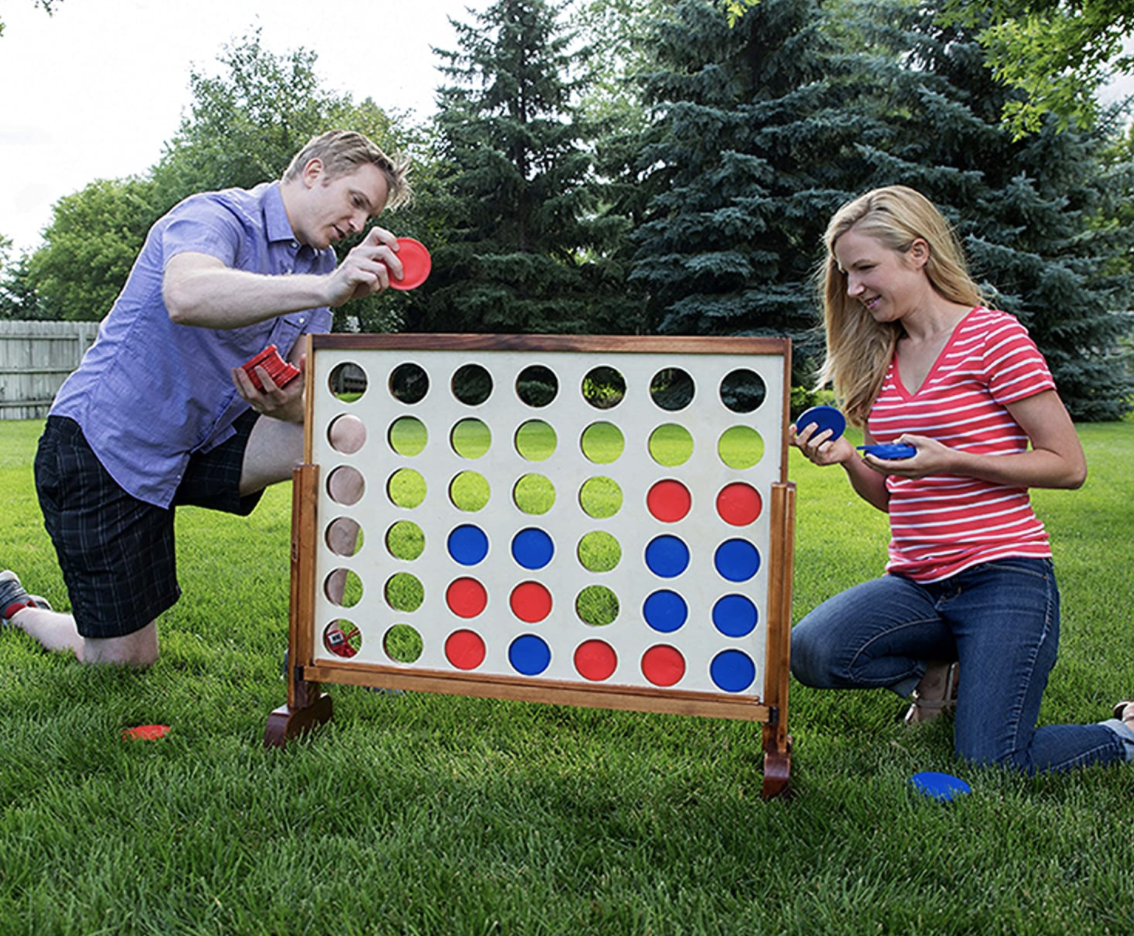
<point x="441" y="815"/>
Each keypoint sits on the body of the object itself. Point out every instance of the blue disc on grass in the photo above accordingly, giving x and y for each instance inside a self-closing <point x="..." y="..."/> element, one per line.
<point x="468" y="544"/>
<point x="733" y="670"/>
<point x="665" y="611"/>
<point x="529" y="655"/>
<point x="737" y="560"/>
<point x="532" y="548"/>
<point x="667" y="556"/>
<point x="735" y="616"/>
<point x="824" y="417"/>
<point x="939" y="786"/>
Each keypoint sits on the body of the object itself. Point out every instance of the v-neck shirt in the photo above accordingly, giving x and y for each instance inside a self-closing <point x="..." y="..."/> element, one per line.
<point x="943" y="524"/>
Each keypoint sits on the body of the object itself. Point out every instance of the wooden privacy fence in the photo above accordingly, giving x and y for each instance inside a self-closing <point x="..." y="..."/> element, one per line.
<point x="35" y="359"/>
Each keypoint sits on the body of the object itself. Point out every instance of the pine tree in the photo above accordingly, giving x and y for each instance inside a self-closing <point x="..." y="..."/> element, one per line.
<point x="526" y="236"/>
<point x="753" y="150"/>
<point x="1027" y="211"/>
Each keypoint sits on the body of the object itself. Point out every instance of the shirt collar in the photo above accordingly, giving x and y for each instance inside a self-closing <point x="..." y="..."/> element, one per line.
<point x="275" y="215"/>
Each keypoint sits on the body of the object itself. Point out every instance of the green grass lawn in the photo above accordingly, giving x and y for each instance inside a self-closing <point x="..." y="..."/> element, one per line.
<point x="439" y="815"/>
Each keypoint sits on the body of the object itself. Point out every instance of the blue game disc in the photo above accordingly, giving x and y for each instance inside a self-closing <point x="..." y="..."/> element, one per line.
<point x="824" y="417"/>
<point x="939" y="786"/>
<point x="468" y="544"/>
<point x="665" y="611"/>
<point x="889" y="452"/>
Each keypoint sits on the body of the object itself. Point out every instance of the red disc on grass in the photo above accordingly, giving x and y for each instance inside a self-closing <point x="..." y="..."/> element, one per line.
<point x="739" y="504"/>
<point x="669" y="501"/>
<point x="145" y="732"/>
<point x="663" y="665"/>
<point x="531" y="602"/>
<point x="466" y="597"/>
<point x="465" y="649"/>
<point x="416" y="264"/>
<point x="595" y="660"/>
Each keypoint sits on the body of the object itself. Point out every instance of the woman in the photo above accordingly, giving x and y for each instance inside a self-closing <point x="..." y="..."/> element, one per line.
<point x="916" y="358"/>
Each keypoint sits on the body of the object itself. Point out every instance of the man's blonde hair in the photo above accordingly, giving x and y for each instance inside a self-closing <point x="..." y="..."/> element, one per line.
<point x="343" y="151"/>
<point x="859" y="349"/>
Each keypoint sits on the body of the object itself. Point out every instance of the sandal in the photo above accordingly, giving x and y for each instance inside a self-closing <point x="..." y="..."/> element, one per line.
<point x="934" y="695"/>
<point x="1124" y="712"/>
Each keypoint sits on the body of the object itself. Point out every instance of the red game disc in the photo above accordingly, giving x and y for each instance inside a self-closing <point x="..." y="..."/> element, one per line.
<point x="416" y="264"/>
<point x="145" y="732"/>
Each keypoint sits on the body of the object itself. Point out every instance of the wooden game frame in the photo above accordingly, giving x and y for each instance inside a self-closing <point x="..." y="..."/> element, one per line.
<point x="308" y="705"/>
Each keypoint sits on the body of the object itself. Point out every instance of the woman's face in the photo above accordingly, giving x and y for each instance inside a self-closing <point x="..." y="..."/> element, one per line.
<point x="889" y="283"/>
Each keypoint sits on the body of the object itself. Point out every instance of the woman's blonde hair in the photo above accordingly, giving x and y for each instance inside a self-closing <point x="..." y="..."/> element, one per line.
<point x="859" y="349"/>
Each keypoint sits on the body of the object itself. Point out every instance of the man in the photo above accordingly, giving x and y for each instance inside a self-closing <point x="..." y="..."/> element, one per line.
<point x="160" y="413"/>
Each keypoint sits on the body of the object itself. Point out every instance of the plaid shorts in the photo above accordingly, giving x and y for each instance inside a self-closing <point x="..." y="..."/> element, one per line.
<point x="117" y="552"/>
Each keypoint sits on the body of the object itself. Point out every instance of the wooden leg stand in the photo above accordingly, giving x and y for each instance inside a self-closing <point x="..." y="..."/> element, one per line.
<point x="307" y="706"/>
<point x="290" y="721"/>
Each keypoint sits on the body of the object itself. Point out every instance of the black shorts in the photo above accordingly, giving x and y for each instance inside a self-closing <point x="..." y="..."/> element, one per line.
<point x="117" y="552"/>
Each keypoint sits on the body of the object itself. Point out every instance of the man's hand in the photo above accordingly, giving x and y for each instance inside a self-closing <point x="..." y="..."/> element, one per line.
<point x="284" y="403"/>
<point x="366" y="269"/>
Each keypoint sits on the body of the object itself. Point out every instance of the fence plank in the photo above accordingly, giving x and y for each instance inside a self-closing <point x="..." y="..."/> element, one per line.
<point x="35" y="359"/>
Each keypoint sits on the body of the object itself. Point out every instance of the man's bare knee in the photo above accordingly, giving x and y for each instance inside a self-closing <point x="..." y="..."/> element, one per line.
<point x="139" y="649"/>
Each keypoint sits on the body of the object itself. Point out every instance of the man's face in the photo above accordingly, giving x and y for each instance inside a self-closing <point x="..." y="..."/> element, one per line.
<point x="339" y="207"/>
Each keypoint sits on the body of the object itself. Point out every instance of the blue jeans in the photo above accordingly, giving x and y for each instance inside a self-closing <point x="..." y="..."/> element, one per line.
<point x="1000" y="620"/>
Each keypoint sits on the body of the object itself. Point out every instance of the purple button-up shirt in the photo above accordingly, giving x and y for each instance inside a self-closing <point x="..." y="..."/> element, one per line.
<point x="149" y="392"/>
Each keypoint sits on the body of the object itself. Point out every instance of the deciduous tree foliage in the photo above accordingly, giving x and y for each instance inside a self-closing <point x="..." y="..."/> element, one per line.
<point x="1057" y="51"/>
<point x="89" y="246"/>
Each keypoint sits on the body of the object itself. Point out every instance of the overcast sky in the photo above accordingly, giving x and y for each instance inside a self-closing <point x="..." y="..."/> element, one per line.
<point x="94" y="90"/>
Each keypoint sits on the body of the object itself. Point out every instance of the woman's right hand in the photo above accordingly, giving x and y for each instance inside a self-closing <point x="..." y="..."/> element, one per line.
<point x="818" y="447"/>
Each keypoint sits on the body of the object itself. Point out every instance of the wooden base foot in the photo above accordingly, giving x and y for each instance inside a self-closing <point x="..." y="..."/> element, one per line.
<point x="777" y="773"/>
<point x="286" y="722"/>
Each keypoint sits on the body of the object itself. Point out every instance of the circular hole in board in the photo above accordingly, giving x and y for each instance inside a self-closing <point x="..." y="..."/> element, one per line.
<point x="471" y="438"/>
<point x="405" y="540"/>
<point x="740" y="447"/>
<point x="599" y="551"/>
<point x="469" y="491"/>
<point x="743" y="391"/>
<point x="344" y="537"/>
<point x="672" y="389"/>
<point x="471" y="384"/>
<point x="343" y="588"/>
<point x="671" y="445"/>
<point x="345" y="485"/>
<point x="602" y="443"/>
<point x="534" y="494"/>
<point x="402" y="643"/>
<point x="408" y="436"/>
<point x="342" y="638"/>
<point x="347" y="382"/>
<point x="537" y="385"/>
<point x="404" y="592"/>
<point x="600" y="497"/>
<point x="604" y="387"/>
<point x="346" y="434"/>
<point x="535" y="440"/>
<point x="597" y="605"/>
<point x="409" y="383"/>
<point x="406" y="488"/>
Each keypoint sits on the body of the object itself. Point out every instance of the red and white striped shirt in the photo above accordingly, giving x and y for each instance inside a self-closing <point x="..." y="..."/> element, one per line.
<point x="943" y="524"/>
